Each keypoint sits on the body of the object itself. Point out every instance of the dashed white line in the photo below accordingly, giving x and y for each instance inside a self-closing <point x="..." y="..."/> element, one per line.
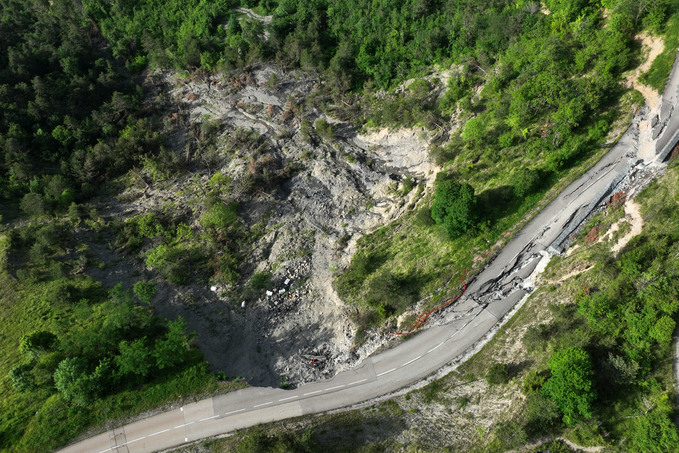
<point x="233" y="412"/>
<point x="289" y="398"/>
<point x="159" y="432"/>
<point x="179" y="426"/>
<point x="386" y="372"/>
<point x="435" y="347"/>
<point x="313" y="393"/>
<point x="357" y="382"/>
<point x="336" y="387"/>
<point x="134" y="440"/>
<point x="189" y="423"/>
<point x="411" y="361"/>
<point x="263" y="404"/>
<point x="208" y="418"/>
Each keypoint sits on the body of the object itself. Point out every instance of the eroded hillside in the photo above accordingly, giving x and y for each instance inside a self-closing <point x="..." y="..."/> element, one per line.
<point x="306" y="188"/>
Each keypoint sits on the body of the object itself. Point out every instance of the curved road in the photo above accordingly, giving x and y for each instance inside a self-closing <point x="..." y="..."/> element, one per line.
<point x="489" y="296"/>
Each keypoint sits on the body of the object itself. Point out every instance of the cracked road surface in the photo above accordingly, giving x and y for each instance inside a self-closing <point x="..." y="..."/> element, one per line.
<point x="489" y="297"/>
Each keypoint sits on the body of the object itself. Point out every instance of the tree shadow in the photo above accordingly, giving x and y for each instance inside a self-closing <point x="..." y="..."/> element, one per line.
<point x="515" y="369"/>
<point x="494" y="204"/>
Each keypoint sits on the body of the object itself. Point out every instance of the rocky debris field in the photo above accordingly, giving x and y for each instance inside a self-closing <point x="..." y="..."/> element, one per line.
<point x="320" y="186"/>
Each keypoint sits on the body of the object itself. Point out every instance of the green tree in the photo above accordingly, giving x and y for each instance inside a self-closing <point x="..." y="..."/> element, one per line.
<point x="72" y="381"/>
<point x="454" y="206"/>
<point x="33" y="204"/>
<point x="134" y="357"/>
<point x="570" y="385"/>
<point x="171" y="349"/>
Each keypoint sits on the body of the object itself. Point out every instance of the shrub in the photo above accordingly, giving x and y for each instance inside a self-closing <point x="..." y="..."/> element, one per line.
<point x="145" y="291"/>
<point x="324" y="129"/>
<point x="260" y="280"/>
<point x="497" y="374"/>
<point x="37" y="342"/>
<point x="220" y="216"/>
<point x="384" y="310"/>
<point x="533" y="382"/>
<point x="22" y="377"/>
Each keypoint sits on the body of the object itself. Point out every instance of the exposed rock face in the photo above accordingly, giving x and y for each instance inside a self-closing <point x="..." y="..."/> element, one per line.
<point x="334" y="189"/>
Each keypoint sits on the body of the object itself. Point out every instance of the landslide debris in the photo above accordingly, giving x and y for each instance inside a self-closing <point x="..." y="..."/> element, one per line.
<point x="307" y="187"/>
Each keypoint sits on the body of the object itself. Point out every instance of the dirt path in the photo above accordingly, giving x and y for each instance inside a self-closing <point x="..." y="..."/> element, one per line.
<point x="652" y="47"/>
<point x="633" y="215"/>
<point x="573" y="445"/>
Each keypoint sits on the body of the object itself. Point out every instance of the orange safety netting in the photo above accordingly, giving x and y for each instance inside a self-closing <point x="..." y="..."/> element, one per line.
<point x="424" y="316"/>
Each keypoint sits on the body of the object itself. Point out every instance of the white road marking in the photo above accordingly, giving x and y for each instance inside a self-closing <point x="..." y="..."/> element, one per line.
<point x="208" y="418"/>
<point x="263" y="404"/>
<point x="435" y="347"/>
<point x="189" y="423"/>
<point x="411" y="361"/>
<point x="386" y="372"/>
<point x="289" y="398"/>
<point x="357" y="382"/>
<point x="313" y="393"/>
<point x="180" y="426"/>
<point x="336" y="387"/>
<point x="134" y="440"/>
<point x="233" y="412"/>
<point x="160" y="432"/>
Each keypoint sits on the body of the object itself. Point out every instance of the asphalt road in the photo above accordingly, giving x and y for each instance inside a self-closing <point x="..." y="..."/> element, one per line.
<point x="491" y="294"/>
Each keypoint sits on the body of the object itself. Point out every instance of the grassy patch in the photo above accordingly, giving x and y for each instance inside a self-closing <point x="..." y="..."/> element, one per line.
<point x="659" y="71"/>
<point x="88" y="326"/>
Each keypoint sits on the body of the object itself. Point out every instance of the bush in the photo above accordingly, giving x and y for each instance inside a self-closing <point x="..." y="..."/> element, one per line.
<point x="220" y="216"/>
<point x="497" y="374"/>
<point x="37" y="342"/>
<point x="533" y="382"/>
<point x="260" y="280"/>
<point x="324" y="129"/>
<point x="22" y="377"/>
<point x="384" y="310"/>
<point x="145" y="291"/>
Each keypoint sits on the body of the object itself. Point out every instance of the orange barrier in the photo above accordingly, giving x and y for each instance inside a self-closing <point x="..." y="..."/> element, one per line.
<point x="424" y="316"/>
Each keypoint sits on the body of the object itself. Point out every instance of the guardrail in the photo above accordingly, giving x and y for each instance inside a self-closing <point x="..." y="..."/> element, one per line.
<point x="555" y="247"/>
<point x="667" y="149"/>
